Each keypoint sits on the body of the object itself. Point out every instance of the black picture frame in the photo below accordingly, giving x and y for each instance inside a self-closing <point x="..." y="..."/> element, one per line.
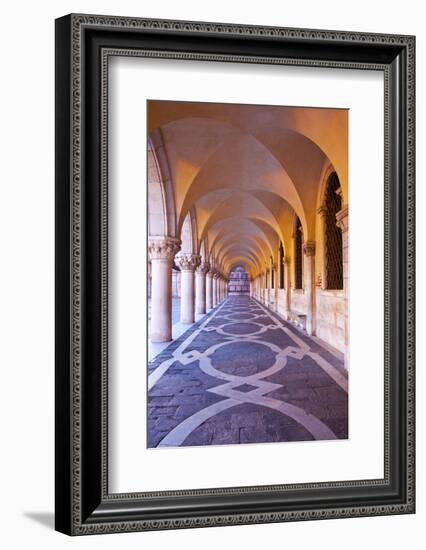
<point x="83" y="504"/>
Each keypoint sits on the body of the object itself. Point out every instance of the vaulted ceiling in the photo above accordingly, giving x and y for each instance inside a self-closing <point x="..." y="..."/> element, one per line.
<point x="242" y="172"/>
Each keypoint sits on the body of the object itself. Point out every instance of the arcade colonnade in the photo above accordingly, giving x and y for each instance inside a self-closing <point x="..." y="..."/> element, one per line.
<point x="254" y="187"/>
<point x="202" y="287"/>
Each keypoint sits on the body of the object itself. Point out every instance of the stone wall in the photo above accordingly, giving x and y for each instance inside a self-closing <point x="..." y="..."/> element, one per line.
<point x="281" y="306"/>
<point x="298" y="301"/>
<point x="330" y="316"/>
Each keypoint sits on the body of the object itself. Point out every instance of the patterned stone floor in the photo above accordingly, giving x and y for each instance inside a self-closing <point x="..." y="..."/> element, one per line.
<point x="243" y="375"/>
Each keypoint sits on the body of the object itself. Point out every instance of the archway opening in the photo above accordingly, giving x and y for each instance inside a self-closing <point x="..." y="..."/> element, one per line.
<point x="239" y="282"/>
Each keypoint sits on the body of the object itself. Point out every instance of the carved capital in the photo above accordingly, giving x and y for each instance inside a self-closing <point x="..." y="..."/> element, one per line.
<point x="309" y="248"/>
<point x="342" y="219"/>
<point x="188" y="262"/>
<point x="217" y="274"/>
<point x="163" y="248"/>
<point x="322" y="210"/>
<point x="203" y="268"/>
<point x="287" y="261"/>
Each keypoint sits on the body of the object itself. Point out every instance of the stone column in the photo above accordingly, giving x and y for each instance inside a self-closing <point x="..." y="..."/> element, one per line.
<point x="342" y="218"/>
<point x="267" y="287"/>
<point x="309" y="253"/>
<point x="187" y="264"/>
<point x="200" y="288"/>
<point x="287" y="282"/>
<point x="273" y="291"/>
<point x="215" y="285"/>
<point x="293" y="261"/>
<point x="209" y="290"/>
<point x="322" y="211"/>
<point x="161" y="253"/>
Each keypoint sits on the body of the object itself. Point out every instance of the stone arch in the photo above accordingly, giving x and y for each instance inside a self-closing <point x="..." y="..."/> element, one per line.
<point x="157" y="223"/>
<point x="160" y="181"/>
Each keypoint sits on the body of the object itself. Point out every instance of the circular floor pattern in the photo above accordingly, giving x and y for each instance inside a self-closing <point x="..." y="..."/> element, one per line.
<point x="240" y="328"/>
<point x="240" y="316"/>
<point x="243" y="358"/>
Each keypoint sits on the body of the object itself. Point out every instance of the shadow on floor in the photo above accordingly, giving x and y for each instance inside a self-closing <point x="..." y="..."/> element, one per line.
<point x="47" y="519"/>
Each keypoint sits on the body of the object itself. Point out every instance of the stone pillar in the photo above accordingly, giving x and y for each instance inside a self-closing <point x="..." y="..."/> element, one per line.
<point x="209" y="290"/>
<point x="187" y="264"/>
<point x="342" y="218"/>
<point x="322" y="211"/>
<point x="200" y="288"/>
<point x="293" y="261"/>
<point x="267" y="287"/>
<point x="215" y="285"/>
<point x="287" y="282"/>
<point x="218" y="289"/>
<point x="309" y="253"/>
<point x="161" y="253"/>
<point x="273" y="287"/>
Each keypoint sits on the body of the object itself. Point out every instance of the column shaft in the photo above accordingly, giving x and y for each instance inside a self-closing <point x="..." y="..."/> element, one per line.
<point x="342" y="218"/>
<point x="187" y="297"/>
<point x="309" y="253"/>
<point x="187" y="263"/>
<point x="214" y="290"/>
<point x="161" y="253"/>
<point x="209" y="291"/>
<point x="287" y="286"/>
<point x="200" y="289"/>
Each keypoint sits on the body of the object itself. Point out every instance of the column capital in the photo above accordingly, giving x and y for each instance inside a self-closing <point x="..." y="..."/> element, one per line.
<point x="287" y="261"/>
<point x="188" y="262"/>
<point x="322" y="210"/>
<point x="309" y="248"/>
<point x="203" y="268"/>
<point x="216" y="274"/>
<point x="342" y="219"/>
<point x="163" y="248"/>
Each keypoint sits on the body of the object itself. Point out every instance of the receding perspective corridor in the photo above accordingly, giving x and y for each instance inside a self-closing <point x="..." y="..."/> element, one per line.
<point x="248" y="274"/>
<point x="244" y="375"/>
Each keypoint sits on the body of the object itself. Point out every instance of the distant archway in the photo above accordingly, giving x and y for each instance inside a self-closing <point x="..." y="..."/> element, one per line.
<point x="239" y="282"/>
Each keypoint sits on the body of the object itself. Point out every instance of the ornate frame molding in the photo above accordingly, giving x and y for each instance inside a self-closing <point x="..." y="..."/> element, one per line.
<point x="83" y="504"/>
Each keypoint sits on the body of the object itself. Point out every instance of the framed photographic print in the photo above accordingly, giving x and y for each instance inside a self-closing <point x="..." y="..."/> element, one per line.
<point x="234" y="274"/>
